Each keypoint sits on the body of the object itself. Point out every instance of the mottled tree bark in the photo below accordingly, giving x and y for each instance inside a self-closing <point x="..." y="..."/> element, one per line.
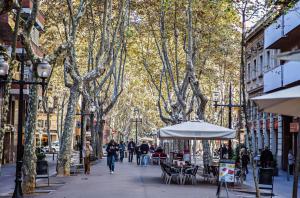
<point x="8" y="5"/>
<point x="5" y="109"/>
<point x="100" y="138"/>
<point x="64" y="158"/>
<point x="5" y="106"/>
<point x="29" y="157"/>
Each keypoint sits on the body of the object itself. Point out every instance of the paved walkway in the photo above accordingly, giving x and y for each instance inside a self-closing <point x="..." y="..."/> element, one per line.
<point x="282" y="187"/>
<point x="7" y="177"/>
<point x="129" y="181"/>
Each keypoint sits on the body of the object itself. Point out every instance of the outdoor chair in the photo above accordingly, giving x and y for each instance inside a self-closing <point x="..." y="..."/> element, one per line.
<point x="190" y="174"/>
<point x="155" y="158"/>
<point x="171" y="174"/>
<point x="163" y="174"/>
<point x="207" y="174"/>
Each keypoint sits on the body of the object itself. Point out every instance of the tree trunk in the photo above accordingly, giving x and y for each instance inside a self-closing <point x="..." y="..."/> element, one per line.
<point x="64" y="158"/>
<point x="100" y="136"/>
<point x="29" y="157"/>
<point x="93" y="134"/>
<point x="4" y="115"/>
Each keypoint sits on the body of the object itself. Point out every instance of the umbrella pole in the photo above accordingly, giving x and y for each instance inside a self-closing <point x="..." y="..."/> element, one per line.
<point x="194" y="151"/>
<point x="296" y="172"/>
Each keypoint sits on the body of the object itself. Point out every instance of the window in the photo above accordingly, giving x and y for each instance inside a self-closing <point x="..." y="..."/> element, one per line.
<point x="249" y="71"/>
<point x="46" y="124"/>
<point x="40" y="123"/>
<point x="261" y="62"/>
<point x="268" y="60"/>
<point x="254" y="69"/>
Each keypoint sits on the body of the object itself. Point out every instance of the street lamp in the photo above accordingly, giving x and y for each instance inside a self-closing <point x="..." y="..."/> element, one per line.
<point x="138" y="118"/>
<point x="215" y="99"/>
<point x="44" y="70"/>
<point x="92" y="110"/>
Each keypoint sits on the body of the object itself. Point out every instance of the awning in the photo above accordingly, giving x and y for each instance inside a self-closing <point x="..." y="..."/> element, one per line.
<point x="285" y="102"/>
<point x="289" y="56"/>
<point x="196" y="130"/>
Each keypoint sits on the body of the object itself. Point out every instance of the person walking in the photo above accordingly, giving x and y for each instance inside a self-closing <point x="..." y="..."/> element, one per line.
<point x="122" y="150"/>
<point x="87" y="150"/>
<point x="111" y="150"/>
<point x="245" y="161"/>
<point x="130" y="148"/>
<point x="144" y="151"/>
<point x="266" y="158"/>
<point x="138" y="154"/>
<point x="291" y="161"/>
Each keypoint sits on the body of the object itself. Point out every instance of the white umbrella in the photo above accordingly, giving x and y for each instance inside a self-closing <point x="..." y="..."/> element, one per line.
<point x="285" y="102"/>
<point x="196" y="130"/>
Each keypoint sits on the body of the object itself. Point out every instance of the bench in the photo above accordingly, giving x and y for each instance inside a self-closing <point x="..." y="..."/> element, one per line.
<point x="42" y="171"/>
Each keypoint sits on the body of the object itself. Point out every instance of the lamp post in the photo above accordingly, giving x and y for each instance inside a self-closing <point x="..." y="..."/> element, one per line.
<point x="138" y="118"/>
<point x="82" y="114"/>
<point x="230" y="105"/>
<point x="43" y="71"/>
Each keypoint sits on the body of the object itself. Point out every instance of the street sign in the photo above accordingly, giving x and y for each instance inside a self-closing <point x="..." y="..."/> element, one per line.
<point x="294" y="127"/>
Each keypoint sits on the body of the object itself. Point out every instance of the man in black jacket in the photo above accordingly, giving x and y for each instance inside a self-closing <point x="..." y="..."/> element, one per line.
<point x="138" y="154"/>
<point x="144" y="151"/>
<point x="130" y="148"/>
<point x="111" y="150"/>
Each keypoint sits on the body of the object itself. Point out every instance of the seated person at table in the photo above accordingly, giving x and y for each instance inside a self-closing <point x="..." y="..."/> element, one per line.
<point x="159" y="150"/>
<point x="186" y="155"/>
<point x="179" y="156"/>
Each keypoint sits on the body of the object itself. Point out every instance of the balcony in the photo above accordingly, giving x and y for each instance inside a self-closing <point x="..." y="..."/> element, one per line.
<point x="273" y="79"/>
<point x="284" y="32"/>
<point x="282" y="76"/>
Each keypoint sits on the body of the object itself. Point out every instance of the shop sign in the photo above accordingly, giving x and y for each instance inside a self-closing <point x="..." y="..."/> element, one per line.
<point x="294" y="127"/>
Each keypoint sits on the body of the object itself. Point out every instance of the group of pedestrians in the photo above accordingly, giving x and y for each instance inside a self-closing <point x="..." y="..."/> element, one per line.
<point x="114" y="150"/>
<point x="141" y="152"/>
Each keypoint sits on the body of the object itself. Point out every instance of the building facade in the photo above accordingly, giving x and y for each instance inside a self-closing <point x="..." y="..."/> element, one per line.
<point x="266" y="74"/>
<point x="6" y="34"/>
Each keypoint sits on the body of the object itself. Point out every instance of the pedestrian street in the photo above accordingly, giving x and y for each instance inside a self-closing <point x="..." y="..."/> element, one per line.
<point x="129" y="181"/>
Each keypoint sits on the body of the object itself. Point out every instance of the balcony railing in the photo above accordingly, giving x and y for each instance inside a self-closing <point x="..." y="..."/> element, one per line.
<point x="280" y="28"/>
<point x="281" y="76"/>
